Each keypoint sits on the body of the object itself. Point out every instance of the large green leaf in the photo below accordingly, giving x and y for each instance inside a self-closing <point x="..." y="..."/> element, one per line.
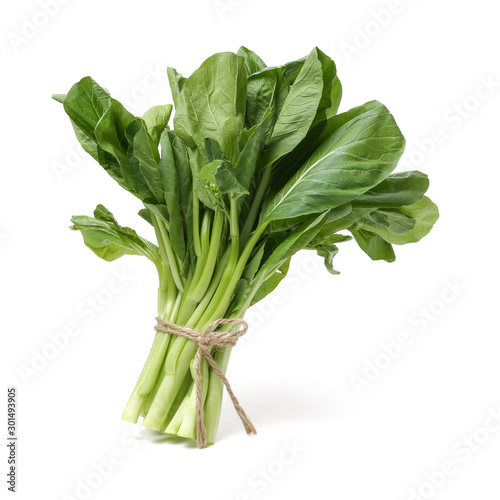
<point x="299" y="110"/>
<point x="335" y="122"/>
<point x="356" y="157"/>
<point x="85" y="104"/>
<point x="110" y="134"/>
<point x="288" y="165"/>
<point x="212" y="102"/>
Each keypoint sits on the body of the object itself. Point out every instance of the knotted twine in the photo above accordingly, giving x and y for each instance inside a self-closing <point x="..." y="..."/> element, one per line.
<point x="206" y="339"/>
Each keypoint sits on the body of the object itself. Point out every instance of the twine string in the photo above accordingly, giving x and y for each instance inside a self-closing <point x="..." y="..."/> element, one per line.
<point x="206" y="339"/>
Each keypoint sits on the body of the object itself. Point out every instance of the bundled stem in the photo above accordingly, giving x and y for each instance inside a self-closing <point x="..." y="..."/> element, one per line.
<point x="164" y="393"/>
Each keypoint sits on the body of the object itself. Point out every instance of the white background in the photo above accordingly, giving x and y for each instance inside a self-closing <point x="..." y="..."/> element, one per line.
<point x="294" y="372"/>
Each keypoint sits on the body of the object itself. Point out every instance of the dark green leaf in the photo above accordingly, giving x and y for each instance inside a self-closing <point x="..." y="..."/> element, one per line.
<point x="298" y="112"/>
<point x="213" y="150"/>
<point x="267" y="89"/>
<point x="110" y="134"/>
<point x="397" y="190"/>
<point x="373" y="245"/>
<point x="355" y="158"/>
<point x="212" y="102"/>
<point x="170" y="182"/>
<point x="147" y="156"/>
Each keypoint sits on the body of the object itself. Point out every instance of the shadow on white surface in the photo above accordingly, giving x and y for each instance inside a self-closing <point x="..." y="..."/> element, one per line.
<point x="155" y="437"/>
<point x="268" y="406"/>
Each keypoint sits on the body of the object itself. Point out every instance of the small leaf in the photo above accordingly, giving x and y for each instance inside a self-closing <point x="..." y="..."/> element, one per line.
<point x="373" y="245"/>
<point x="156" y="120"/>
<point x="424" y="212"/>
<point x="253" y="63"/>
<point x="397" y="190"/>
<point x="110" y="241"/>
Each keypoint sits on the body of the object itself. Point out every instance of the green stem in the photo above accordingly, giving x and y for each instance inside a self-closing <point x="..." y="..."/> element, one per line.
<point x="170" y="255"/>
<point x="213" y="401"/>
<point x="196" y="224"/>
<point x="150" y="255"/>
<point x="179" y="357"/>
<point x="188" y="425"/>
<point x="220" y="301"/>
<point x="256" y="203"/>
<point x="182" y="351"/>
<point x="208" y="269"/>
<point x="147" y="378"/>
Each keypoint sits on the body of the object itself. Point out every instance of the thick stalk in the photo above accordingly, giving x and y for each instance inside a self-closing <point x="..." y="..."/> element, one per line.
<point x="147" y="378"/>
<point x="188" y="426"/>
<point x="215" y="392"/>
<point x="179" y="357"/>
<point x="213" y="402"/>
<point x="217" y="310"/>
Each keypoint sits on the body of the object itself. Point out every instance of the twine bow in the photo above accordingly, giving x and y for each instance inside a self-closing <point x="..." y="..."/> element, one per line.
<point x="205" y="339"/>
